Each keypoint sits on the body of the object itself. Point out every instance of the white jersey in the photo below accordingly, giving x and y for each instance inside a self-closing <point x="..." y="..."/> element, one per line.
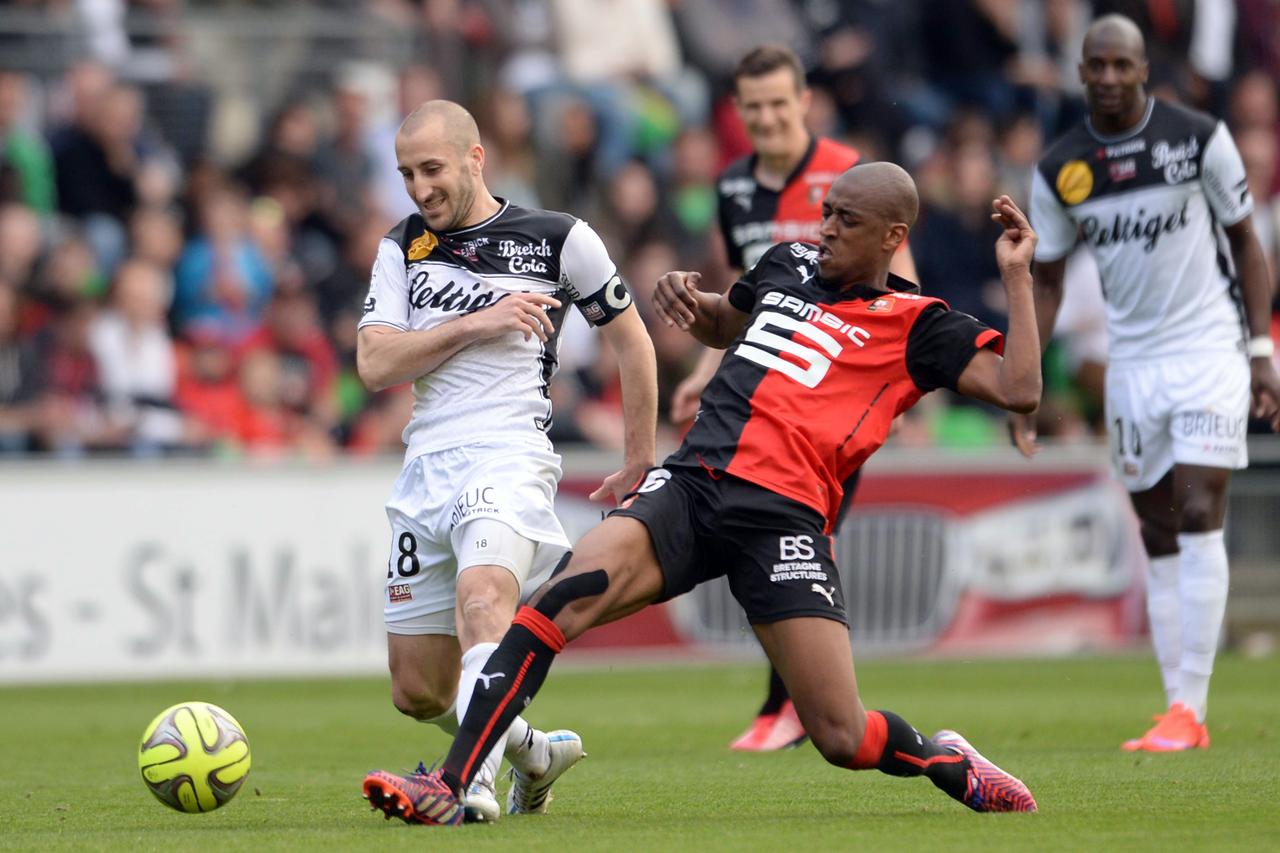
<point x="1150" y="205"/>
<point x="496" y="389"/>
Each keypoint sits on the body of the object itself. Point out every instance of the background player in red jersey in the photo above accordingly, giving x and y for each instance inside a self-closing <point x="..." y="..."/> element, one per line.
<point x="773" y="195"/>
<point x="823" y="356"/>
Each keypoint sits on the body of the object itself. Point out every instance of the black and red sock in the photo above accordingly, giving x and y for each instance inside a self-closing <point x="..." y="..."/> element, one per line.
<point x="510" y="679"/>
<point x="892" y="745"/>
<point x="777" y="695"/>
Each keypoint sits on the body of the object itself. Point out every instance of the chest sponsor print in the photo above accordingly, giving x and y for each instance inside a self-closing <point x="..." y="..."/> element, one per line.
<point x="1177" y="161"/>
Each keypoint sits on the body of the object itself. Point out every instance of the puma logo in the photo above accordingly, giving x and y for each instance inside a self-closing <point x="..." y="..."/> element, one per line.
<point x="829" y="595"/>
<point x="486" y="677"/>
<point x="805" y="274"/>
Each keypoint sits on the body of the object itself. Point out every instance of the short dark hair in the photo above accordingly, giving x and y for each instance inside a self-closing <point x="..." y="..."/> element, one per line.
<point x="766" y="59"/>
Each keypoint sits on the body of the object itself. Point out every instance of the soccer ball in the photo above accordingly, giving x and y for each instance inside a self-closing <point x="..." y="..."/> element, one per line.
<point x="194" y="757"/>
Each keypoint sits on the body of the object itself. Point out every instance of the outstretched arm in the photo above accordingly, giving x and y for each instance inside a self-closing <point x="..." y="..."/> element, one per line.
<point x="709" y="317"/>
<point x="1047" y="290"/>
<point x="1012" y="382"/>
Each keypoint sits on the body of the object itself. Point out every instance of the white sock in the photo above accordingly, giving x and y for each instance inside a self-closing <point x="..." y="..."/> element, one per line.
<point x="526" y="747"/>
<point x="1163" y="612"/>
<point x="448" y="721"/>
<point x="1202" y="581"/>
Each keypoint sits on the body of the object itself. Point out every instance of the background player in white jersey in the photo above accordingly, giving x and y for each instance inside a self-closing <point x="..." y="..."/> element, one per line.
<point x="466" y="301"/>
<point x="1158" y="195"/>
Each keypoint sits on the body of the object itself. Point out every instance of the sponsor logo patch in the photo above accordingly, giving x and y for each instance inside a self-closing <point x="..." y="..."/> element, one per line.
<point x="1122" y="170"/>
<point x="1074" y="181"/>
<point x="400" y="592"/>
<point x="797" y="571"/>
<point x="1177" y="161"/>
<point x="1122" y="149"/>
<point x="476" y="501"/>
<point x="525" y="257"/>
<point x="422" y="246"/>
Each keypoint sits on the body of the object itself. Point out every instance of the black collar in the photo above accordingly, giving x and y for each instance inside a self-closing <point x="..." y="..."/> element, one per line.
<point x="861" y="290"/>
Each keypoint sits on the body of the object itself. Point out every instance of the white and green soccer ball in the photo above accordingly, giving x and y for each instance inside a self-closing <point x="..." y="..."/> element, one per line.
<point x="194" y="757"/>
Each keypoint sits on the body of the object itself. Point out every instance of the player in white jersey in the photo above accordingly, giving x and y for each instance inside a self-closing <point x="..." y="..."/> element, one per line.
<point x="1157" y="194"/>
<point x="466" y="301"/>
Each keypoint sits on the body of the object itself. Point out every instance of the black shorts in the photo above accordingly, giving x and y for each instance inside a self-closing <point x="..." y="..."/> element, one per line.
<point x="772" y="549"/>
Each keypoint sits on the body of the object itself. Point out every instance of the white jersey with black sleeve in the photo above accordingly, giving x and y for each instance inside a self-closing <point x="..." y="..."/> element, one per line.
<point x="494" y="389"/>
<point x="1150" y="205"/>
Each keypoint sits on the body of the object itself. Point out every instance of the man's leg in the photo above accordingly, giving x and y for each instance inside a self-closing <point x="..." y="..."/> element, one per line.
<point x="814" y="657"/>
<point x="613" y="572"/>
<point x="1201" y="494"/>
<point x="1182" y="521"/>
<point x="777" y="726"/>
<point x="1158" y="522"/>
<point x="424" y="677"/>
<point x="487" y="596"/>
<point x="494" y="561"/>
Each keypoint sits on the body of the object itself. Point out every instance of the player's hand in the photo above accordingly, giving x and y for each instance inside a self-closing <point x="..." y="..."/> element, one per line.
<point x="1265" y="384"/>
<point x="1017" y="244"/>
<point x="516" y="312"/>
<point x="619" y="483"/>
<point x="686" y="398"/>
<point x="675" y="298"/>
<point x="1022" y="431"/>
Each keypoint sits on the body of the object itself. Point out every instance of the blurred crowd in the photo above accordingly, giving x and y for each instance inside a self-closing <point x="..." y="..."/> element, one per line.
<point x="181" y="274"/>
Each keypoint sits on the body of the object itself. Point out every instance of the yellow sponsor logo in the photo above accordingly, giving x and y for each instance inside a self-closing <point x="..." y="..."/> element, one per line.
<point x="422" y="246"/>
<point x="1075" y="181"/>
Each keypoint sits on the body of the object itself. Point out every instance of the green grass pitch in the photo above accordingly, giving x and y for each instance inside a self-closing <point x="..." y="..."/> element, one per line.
<point x="658" y="776"/>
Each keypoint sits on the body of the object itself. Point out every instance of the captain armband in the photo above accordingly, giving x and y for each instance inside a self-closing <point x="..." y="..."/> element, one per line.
<point x="606" y="303"/>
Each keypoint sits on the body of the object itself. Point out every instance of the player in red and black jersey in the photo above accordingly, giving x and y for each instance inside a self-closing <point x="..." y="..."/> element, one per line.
<point x="822" y="354"/>
<point x="774" y="195"/>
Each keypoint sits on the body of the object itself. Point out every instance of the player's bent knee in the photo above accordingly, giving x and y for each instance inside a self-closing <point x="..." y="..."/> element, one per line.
<point x="836" y="746"/>
<point x="1199" y="515"/>
<point x="484" y="610"/>
<point x="420" y="704"/>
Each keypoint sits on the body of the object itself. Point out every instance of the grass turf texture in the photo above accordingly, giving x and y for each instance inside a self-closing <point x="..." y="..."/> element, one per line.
<point x="659" y="776"/>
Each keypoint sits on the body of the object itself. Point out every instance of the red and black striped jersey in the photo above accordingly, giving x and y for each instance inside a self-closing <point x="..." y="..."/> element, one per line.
<point x="753" y="218"/>
<point x="810" y="388"/>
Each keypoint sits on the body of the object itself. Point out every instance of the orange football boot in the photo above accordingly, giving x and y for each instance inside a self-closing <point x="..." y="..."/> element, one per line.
<point x="1175" y="730"/>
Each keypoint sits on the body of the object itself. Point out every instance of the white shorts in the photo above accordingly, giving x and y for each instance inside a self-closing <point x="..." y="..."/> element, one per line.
<point x="1186" y="411"/>
<point x="434" y="509"/>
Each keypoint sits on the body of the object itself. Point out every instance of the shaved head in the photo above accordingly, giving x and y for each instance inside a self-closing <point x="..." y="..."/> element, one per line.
<point x="884" y="189"/>
<point x="865" y="217"/>
<point x="1115" y="31"/>
<point x="451" y="121"/>
<point x="438" y="152"/>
